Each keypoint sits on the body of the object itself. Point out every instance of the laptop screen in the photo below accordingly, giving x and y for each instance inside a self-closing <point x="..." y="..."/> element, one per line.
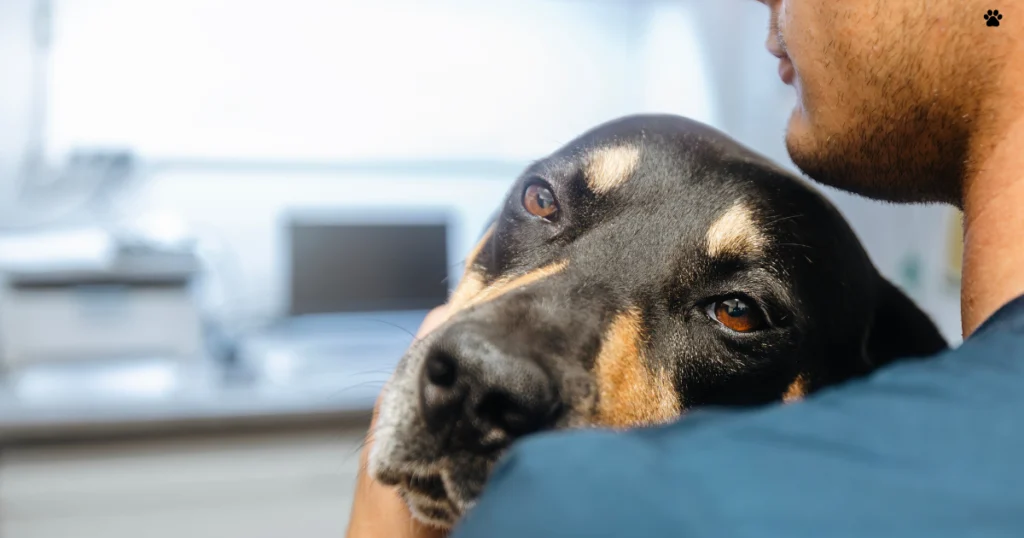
<point x="367" y="267"/>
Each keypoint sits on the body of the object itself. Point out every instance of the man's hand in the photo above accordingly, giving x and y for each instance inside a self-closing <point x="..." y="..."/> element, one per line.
<point x="377" y="510"/>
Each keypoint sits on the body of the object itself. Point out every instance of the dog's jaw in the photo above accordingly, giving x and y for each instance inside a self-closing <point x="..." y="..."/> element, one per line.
<point x="441" y="513"/>
<point x="405" y="455"/>
<point x="438" y="489"/>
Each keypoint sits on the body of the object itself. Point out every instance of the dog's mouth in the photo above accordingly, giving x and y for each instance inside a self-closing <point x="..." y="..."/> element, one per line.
<point x="439" y="494"/>
<point x="428" y="499"/>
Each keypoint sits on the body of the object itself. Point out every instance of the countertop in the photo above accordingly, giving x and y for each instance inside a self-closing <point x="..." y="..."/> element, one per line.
<point x="311" y="370"/>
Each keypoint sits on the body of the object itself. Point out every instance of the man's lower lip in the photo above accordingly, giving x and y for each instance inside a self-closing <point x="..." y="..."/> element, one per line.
<point x="786" y="71"/>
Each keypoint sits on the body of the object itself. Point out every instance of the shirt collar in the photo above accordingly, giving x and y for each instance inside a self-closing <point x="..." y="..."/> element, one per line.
<point x="1009" y="315"/>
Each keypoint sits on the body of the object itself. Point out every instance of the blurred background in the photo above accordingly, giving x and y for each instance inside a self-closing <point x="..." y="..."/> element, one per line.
<point x="221" y="221"/>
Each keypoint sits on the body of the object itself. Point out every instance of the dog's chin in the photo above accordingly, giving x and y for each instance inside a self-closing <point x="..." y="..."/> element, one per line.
<point x="437" y="514"/>
<point x="440" y="493"/>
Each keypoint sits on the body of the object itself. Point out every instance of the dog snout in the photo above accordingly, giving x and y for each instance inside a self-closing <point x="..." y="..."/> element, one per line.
<point x="480" y="396"/>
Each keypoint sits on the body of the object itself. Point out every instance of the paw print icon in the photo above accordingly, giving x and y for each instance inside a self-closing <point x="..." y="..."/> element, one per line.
<point x="993" y="17"/>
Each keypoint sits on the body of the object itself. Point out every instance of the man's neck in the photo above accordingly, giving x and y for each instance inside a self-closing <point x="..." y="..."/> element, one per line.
<point x="993" y="204"/>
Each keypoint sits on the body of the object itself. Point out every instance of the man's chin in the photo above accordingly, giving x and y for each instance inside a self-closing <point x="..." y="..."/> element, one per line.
<point x="799" y="137"/>
<point x="820" y="157"/>
<point x="804" y="149"/>
<point x="863" y="162"/>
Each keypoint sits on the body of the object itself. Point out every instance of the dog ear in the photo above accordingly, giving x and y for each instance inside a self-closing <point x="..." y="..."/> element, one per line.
<point x="900" y="329"/>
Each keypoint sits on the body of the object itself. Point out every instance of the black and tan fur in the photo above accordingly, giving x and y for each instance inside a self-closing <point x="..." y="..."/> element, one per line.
<point x="599" y="317"/>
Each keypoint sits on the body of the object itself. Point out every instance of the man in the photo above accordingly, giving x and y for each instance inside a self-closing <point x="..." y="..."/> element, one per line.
<point x="899" y="100"/>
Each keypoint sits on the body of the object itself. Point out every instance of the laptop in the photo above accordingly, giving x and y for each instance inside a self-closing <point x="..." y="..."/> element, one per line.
<point x="358" y="288"/>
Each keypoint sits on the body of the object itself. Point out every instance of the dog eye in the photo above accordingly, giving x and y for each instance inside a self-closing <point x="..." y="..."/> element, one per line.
<point x="539" y="201"/>
<point x="737" y="315"/>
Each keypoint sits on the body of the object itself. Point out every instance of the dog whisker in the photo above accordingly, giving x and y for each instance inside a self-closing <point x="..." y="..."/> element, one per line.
<point x="356" y="386"/>
<point x="358" y="449"/>
<point x="782" y="219"/>
<point x="375" y="371"/>
<point x="391" y="324"/>
<point x="795" y="245"/>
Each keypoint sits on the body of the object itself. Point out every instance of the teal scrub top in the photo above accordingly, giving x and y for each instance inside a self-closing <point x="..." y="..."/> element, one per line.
<point x="931" y="448"/>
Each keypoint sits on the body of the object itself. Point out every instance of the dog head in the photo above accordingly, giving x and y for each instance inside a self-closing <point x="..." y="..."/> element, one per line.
<point x="651" y="266"/>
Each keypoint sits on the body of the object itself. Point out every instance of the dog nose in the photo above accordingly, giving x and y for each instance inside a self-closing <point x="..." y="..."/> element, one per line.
<point x="482" y="396"/>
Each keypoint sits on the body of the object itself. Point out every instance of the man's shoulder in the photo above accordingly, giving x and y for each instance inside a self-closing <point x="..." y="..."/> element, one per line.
<point x="927" y="445"/>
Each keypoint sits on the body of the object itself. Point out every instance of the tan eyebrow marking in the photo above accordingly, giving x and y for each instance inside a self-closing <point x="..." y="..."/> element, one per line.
<point x="473" y="290"/>
<point x="610" y="167"/>
<point x="506" y="284"/>
<point x="735" y="234"/>
<point x="630" y="394"/>
<point x="472" y="281"/>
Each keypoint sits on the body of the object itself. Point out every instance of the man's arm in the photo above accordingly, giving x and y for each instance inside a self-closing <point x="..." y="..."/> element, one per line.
<point x="377" y="510"/>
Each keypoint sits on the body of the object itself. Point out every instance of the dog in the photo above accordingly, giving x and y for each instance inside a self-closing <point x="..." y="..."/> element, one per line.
<point x="649" y="267"/>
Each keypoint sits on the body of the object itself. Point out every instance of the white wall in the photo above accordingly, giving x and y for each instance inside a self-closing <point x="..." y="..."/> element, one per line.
<point x="335" y="80"/>
<point x="15" y="91"/>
